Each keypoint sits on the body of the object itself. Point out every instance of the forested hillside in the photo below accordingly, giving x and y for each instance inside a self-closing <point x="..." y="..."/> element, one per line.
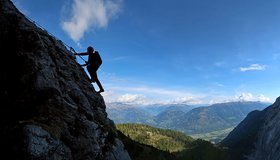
<point x="176" y="143"/>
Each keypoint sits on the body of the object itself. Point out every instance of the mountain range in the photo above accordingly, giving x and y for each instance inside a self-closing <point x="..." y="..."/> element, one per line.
<point x="196" y="121"/>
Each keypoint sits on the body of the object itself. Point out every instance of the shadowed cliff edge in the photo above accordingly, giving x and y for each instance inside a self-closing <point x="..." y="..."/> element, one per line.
<point x="257" y="136"/>
<point x="49" y="108"/>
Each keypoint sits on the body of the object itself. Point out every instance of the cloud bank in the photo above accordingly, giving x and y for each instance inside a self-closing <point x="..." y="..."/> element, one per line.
<point x="151" y="95"/>
<point x="132" y="98"/>
<point x="90" y="15"/>
<point x="251" y="97"/>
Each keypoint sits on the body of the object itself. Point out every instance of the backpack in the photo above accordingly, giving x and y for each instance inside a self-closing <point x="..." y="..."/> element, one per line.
<point x="98" y="58"/>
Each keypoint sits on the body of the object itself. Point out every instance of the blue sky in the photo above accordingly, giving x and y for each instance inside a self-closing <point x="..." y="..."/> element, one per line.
<point x="173" y="51"/>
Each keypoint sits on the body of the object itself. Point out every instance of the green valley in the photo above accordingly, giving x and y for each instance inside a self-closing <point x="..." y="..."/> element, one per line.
<point x="215" y="136"/>
<point x="164" y="141"/>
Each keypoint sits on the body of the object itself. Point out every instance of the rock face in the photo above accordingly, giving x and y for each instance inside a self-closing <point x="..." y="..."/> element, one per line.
<point x="267" y="146"/>
<point x="257" y="137"/>
<point x="49" y="109"/>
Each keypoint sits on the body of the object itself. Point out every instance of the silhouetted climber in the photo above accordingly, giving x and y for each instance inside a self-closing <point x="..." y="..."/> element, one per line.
<point x="93" y="63"/>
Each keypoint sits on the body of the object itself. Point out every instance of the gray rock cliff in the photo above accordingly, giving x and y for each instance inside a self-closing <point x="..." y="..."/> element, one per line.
<point x="257" y="137"/>
<point x="49" y="109"/>
<point x="267" y="146"/>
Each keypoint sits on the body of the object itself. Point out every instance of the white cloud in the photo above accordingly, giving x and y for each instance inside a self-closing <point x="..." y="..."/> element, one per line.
<point x="256" y="67"/>
<point x="90" y="15"/>
<point x="245" y="97"/>
<point x="188" y="100"/>
<point x="242" y="97"/>
<point x="133" y="99"/>
<point x="150" y="95"/>
<point x="157" y="92"/>
<point x="127" y="91"/>
<point x="251" y="97"/>
<point x="262" y="98"/>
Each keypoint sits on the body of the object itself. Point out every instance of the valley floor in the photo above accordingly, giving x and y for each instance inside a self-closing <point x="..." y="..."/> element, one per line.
<point x="213" y="137"/>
